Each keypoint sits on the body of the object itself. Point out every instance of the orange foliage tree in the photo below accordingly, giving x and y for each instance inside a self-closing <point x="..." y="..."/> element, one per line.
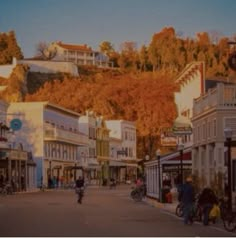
<point x="146" y="98"/>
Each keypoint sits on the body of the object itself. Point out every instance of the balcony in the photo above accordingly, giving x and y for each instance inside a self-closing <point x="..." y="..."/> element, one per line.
<point x="52" y="133"/>
<point x="223" y="96"/>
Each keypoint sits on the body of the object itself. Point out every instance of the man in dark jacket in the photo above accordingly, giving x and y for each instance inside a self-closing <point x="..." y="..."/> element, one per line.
<point x="206" y="200"/>
<point x="187" y="198"/>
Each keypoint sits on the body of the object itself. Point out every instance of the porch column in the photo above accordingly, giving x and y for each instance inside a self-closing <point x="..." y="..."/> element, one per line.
<point x="9" y="170"/>
<point x="26" y="176"/>
<point x="19" y="175"/>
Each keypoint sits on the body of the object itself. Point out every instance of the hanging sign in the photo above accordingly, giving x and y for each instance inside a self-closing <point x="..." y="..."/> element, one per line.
<point x="15" y="124"/>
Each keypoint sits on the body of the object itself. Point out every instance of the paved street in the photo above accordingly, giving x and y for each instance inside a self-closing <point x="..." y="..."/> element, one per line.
<point x="104" y="212"/>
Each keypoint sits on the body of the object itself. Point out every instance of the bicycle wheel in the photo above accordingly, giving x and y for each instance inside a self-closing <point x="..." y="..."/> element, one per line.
<point x="179" y="211"/>
<point x="229" y="221"/>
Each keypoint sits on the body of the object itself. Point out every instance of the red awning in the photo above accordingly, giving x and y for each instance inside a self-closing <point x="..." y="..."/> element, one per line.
<point x="186" y="156"/>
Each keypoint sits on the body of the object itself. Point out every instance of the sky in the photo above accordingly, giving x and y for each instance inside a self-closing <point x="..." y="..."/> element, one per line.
<point x="93" y="21"/>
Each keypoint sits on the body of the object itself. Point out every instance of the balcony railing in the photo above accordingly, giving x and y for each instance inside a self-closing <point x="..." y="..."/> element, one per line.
<point x="221" y="96"/>
<point x="52" y="133"/>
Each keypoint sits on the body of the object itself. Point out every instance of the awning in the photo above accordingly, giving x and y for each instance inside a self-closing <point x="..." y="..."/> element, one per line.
<point x="57" y="167"/>
<point x="73" y="167"/>
<point x="121" y="164"/>
<point x="93" y="166"/>
<point x="132" y="165"/>
<point x="113" y="163"/>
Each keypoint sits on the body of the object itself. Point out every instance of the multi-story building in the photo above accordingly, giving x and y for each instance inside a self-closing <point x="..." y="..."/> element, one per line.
<point x="102" y="148"/>
<point x="51" y="133"/>
<point x="79" y="54"/>
<point x="212" y="113"/>
<point x="16" y="166"/>
<point x="87" y="125"/>
<point x="123" y="149"/>
<point x="191" y="83"/>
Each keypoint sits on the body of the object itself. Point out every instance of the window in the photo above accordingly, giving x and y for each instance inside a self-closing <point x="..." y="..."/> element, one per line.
<point x="204" y="131"/>
<point x="214" y="127"/>
<point x="209" y="129"/>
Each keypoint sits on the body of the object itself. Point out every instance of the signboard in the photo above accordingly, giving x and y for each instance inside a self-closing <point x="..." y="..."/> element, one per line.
<point x="168" y="138"/>
<point x="16" y="124"/>
<point x="182" y="130"/>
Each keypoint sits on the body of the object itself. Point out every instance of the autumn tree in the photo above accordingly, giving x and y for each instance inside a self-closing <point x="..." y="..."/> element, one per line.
<point x="143" y="58"/>
<point x="9" y="48"/>
<point x="146" y="99"/>
<point x="129" y="56"/>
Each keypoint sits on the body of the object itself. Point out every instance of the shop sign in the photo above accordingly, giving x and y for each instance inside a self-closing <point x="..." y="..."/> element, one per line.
<point x="18" y="155"/>
<point x="168" y="139"/>
<point x="182" y="130"/>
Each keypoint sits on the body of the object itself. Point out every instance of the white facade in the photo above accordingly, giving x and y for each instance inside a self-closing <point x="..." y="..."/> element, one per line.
<point x="123" y="148"/>
<point x="79" y="54"/>
<point x="87" y="125"/>
<point x="52" y="134"/>
<point x="126" y="132"/>
<point x="191" y="83"/>
<point x="213" y="112"/>
<point x="40" y="66"/>
<point x="47" y="66"/>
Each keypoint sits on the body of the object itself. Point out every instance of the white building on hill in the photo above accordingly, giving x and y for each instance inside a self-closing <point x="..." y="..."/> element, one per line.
<point x="79" y="54"/>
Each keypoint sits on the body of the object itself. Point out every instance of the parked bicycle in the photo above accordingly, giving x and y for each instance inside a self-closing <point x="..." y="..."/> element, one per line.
<point x="138" y="193"/>
<point x="228" y="216"/>
<point x="6" y="189"/>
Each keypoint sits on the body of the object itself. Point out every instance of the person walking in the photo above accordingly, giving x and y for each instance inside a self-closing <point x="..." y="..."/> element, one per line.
<point x="206" y="200"/>
<point x="187" y="198"/>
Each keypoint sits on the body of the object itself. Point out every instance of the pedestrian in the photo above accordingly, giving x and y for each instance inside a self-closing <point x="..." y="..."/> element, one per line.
<point x="206" y="200"/>
<point x="187" y="198"/>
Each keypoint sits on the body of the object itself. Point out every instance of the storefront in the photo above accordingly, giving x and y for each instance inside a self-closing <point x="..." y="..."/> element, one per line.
<point x="18" y="169"/>
<point x="170" y="171"/>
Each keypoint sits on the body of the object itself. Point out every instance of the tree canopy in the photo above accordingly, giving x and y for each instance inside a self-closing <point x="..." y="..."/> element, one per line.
<point x="145" y="98"/>
<point x="9" y="48"/>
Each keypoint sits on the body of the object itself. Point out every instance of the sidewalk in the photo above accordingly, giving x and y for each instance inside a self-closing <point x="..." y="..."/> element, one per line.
<point x="170" y="207"/>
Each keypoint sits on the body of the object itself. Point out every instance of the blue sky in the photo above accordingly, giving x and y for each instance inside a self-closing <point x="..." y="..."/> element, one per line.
<point x="93" y="21"/>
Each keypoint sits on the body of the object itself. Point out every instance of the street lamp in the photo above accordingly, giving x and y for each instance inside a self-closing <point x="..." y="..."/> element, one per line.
<point x="181" y="148"/>
<point x="228" y="134"/>
<point x="158" y="155"/>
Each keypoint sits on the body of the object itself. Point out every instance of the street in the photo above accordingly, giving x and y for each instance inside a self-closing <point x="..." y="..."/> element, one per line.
<point x="104" y="212"/>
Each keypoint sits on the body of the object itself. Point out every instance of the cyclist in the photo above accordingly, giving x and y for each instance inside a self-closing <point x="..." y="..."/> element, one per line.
<point x="79" y="188"/>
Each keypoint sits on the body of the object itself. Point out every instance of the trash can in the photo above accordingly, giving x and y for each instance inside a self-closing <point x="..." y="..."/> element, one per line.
<point x="164" y="192"/>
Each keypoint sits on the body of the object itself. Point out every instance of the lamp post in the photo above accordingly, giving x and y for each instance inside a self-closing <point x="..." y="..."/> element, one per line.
<point x="147" y="157"/>
<point x="228" y="134"/>
<point x="181" y="148"/>
<point x="158" y="155"/>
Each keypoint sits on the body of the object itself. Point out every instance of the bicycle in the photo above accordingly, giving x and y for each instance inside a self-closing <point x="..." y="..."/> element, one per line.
<point x="229" y="221"/>
<point x="80" y="193"/>
<point x="138" y="193"/>
<point x="228" y="216"/>
<point x="196" y="211"/>
<point x="6" y="189"/>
